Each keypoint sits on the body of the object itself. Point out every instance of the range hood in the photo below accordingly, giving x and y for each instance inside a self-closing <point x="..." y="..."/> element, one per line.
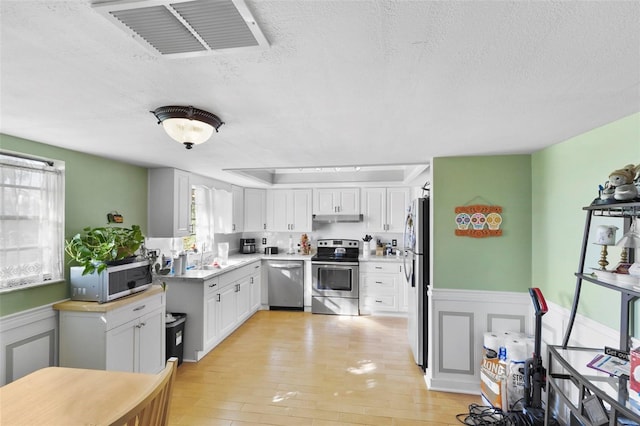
<point x="333" y="218"/>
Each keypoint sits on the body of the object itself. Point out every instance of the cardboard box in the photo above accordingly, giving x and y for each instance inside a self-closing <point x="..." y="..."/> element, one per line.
<point x="493" y="382"/>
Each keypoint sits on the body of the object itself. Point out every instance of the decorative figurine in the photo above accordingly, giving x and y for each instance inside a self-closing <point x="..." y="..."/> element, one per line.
<point x="623" y="185"/>
<point x="622" y="180"/>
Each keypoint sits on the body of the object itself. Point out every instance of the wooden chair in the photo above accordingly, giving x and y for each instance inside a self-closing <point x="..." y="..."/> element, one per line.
<point x="153" y="409"/>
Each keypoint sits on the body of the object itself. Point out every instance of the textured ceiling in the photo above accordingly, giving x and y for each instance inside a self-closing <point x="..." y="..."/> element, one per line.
<point x="342" y="83"/>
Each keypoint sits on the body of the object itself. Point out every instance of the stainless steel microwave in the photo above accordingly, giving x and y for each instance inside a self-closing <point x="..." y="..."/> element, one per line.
<point x="112" y="283"/>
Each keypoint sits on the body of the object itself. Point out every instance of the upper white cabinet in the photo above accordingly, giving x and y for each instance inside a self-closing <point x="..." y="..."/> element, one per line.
<point x="336" y="201"/>
<point x="289" y="210"/>
<point x="222" y="211"/>
<point x="254" y="210"/>
<point x="384" y="209"/>
<point x="169" y="203"/>
<point x="238" y="209"/>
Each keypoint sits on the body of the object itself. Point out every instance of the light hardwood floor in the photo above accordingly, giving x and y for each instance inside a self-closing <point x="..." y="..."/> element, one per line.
<point x="294" y="368"/>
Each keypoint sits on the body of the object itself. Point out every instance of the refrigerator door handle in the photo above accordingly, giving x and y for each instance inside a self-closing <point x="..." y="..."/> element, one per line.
<point x="407" y="251"/>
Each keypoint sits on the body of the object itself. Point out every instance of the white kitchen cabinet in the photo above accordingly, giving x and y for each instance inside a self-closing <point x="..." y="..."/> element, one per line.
<point x="243" y="301"/>
<point x="384" y="209"/>
<point x="133" y="345"/>
<point x="123" y="335"/>
<point x="211" y="331"/>
<point x="238" y="208"/>
<point x="215" y="307"/>
<point x="256" y="287"/>
<point x="255" y="210"/>
<point x="398" y="200"/>
<point x="169" y="203"/>
<point x="336" y="201"/>
<point x="381" y="289"/>
<point x="222" y="211"/>
<point x="289" y="210"/>
<point x="227" y="309"/>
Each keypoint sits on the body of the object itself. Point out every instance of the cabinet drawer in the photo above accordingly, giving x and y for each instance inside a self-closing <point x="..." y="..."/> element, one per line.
<point x="232" y="276"/>
<point x="380" y="267"/>
<point x="383" y="283"/>
<point x="132" y="311"/>
<point x="386" y="302"/>
<point x="211" y="285"/>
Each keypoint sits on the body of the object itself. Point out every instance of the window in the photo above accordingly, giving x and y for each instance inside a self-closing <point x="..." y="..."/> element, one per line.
<point x="204" y="221"/>
<point x="31" y="222"/>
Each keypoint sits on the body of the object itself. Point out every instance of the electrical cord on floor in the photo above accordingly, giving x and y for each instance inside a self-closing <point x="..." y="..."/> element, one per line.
<point x="480" y="415"/>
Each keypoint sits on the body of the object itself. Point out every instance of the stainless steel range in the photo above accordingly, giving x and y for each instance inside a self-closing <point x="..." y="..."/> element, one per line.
<point x="335" y="278"/>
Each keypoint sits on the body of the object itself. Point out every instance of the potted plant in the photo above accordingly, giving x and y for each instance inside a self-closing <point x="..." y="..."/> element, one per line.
<point x="96" y="248"/>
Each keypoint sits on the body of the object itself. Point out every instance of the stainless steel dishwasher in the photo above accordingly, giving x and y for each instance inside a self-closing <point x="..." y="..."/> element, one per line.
<point x="286" y="284"/>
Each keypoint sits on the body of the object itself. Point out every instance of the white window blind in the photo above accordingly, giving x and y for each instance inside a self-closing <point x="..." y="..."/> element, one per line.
<point x="31" y="222"/>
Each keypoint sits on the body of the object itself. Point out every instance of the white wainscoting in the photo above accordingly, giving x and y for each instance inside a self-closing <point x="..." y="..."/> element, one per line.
<point x="459" y="319"/>
<point x="28" y="342"/>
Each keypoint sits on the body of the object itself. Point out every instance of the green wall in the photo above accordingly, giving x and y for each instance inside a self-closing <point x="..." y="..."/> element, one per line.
<point x="493" y="263"/>
<point x="565" y="179"/>
<point x="94" y="186"/>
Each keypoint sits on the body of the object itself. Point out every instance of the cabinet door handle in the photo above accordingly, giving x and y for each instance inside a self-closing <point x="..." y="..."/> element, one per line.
<point x="264" y="226"/>
<point x="233" y="227"/>
<point x="218" y="297"/>
<point x="212" y="285"/>
<point x="378" y="301"/>
<point x="142" y="324"/>
<point x="256" y="267"/>
<point x="251" y="280"/>
<point x="378" y="282"/>
<point x="378" y="267"/>
<point x="139" y="308"/>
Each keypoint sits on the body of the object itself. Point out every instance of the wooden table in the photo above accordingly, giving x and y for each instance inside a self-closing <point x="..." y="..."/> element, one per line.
<point x="71" y="396"/>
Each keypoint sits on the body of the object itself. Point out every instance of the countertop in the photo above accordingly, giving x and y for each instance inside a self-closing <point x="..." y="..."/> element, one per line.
<point x="234" y="262"/>
<point x="239" y="260"/>
<point x="83" y="306"/>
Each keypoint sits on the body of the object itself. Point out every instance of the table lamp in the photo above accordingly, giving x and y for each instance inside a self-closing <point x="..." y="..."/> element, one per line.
<point x="629" y="240"/>
<point x="605" y="236"/>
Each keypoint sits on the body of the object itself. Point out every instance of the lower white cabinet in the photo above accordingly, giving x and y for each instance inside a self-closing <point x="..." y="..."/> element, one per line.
<point x="381" y="287"/>
<point x="211" y="329"/>
<point x="227" y="309"/>
<point x="215" y="307"/>
<point x="123" y="335"/>
<point x="256" y="287"/>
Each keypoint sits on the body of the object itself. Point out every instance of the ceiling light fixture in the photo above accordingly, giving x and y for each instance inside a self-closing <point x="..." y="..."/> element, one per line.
<point x="186" y="124"/>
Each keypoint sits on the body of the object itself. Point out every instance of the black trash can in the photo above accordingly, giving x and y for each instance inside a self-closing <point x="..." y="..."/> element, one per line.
<point x="175" y="335"/>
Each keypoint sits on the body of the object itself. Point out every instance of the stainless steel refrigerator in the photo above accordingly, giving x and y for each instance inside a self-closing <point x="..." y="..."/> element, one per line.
<point x="417" y="273"/>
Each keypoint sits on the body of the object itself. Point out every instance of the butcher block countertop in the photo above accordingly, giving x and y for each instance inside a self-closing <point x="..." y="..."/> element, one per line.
<point x="80" y="306"/>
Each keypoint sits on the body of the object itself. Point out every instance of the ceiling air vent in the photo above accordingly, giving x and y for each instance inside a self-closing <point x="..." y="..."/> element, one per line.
<point x="187" y="28"/>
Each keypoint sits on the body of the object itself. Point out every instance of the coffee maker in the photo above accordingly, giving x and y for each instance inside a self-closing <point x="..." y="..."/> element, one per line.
<point x="247" y="245"/>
